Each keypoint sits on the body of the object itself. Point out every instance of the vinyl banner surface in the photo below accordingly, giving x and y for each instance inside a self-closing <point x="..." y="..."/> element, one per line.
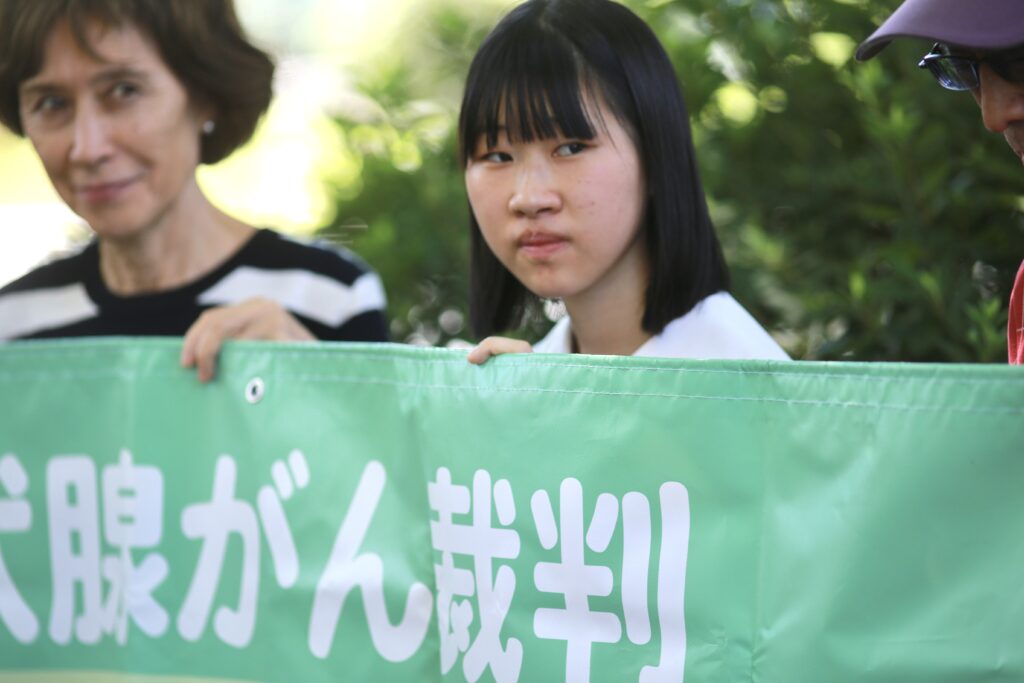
<point x="381" y="513"/>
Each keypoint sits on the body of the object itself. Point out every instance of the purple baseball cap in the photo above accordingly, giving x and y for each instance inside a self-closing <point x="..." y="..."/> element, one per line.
<point x="978" y="24"/>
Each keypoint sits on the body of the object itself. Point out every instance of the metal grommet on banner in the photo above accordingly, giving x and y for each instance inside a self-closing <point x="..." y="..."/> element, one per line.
<point x="254" y="390"/>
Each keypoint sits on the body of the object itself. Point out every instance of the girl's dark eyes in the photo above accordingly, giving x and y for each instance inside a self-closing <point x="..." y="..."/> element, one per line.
<point x="566" y="149"/>
<point x="496" y="157"/>
<point x="569" y="149"/>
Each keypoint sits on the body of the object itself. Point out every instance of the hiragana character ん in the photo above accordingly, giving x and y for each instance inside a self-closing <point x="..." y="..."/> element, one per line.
<point x="347" y="568"/>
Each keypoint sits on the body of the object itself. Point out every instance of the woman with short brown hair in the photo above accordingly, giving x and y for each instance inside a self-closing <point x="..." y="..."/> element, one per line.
<point x="122" y="100"/>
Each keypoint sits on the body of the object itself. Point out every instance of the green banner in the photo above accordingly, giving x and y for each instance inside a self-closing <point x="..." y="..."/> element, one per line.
<point x="383" y="513"/>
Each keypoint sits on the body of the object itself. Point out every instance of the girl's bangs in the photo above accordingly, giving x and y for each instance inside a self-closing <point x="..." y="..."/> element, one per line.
<point x="529" y="88"/>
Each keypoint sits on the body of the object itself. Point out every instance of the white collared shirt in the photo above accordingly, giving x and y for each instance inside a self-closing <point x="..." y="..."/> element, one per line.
<point x="717" y="328"/>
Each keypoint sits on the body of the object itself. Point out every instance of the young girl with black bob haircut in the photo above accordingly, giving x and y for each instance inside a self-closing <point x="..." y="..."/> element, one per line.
<point x="583" y="186"/>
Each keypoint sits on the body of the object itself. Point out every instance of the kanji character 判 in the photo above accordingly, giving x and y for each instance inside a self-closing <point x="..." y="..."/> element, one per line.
<point x="347" y="569"/>
<point x="577" y="624"/>
<point x="484" y="543"/>
<point x="213" y="523"/>
<point x="133" y="503"/>
<point x="16" y="517"/>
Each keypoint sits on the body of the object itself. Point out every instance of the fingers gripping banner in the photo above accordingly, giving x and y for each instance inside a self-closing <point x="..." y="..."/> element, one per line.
<point x="381" y="513"/>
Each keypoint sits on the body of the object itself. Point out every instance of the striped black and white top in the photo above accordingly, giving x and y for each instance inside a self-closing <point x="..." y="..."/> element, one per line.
<point x="327" y="289"/>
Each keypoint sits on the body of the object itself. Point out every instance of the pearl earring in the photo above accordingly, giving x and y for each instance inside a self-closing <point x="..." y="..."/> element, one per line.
<point x="209" y="126"/>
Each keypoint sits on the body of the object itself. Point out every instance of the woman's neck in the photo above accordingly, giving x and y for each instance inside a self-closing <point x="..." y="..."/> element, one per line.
<point x="607" y="318"/>
<point x="189" y="240"/>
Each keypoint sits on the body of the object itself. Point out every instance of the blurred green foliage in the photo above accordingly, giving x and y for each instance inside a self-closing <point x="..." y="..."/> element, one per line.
<point x="866" y="214"/>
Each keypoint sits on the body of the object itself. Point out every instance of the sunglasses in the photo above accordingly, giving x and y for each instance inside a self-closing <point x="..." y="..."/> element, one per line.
<point x="958" y="72"/>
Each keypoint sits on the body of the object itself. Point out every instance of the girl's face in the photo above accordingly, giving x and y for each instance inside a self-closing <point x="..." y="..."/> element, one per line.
<point x="117" y="136"/>
<point x="563" y="215"/>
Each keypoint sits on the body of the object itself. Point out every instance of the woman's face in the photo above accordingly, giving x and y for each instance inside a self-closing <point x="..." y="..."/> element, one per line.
<point x="563" y="215"/>
<point x="118" y="136"/>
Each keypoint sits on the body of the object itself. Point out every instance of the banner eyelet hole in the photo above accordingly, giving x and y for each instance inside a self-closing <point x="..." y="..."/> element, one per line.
<point x="254" y="390"/>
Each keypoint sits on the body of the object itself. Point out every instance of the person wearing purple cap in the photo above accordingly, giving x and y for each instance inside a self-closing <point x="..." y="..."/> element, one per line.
<point x="979" y="46"/>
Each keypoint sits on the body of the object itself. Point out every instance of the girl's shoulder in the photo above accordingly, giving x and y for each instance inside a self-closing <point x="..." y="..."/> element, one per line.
<point x="716" y="328"/>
